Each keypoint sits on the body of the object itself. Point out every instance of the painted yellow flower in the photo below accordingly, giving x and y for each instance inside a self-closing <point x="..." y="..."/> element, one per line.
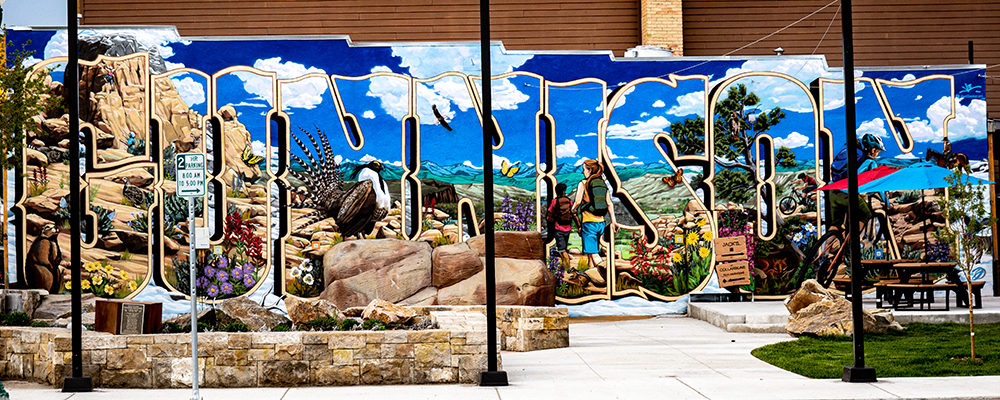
<point x="91" y="266"/>
<point x="97" y="280"/>
<point x="124" y="276"/>
<point x="85" y="284"/>
<point x="109" y="290"/>
<point x="677" y="257"/>
<point x="69" y="285"/>
<point x="108" y="269"/>
<point x="703" y="252"/>
<point x="707" y="236"/>
<point x="132" y="286"/>
<point x="701" y="222"/>
<point x="692" y="238"/>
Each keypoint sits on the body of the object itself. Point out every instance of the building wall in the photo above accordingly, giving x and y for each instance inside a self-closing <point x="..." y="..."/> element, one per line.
<point x="520" y="24"/>
<point x="886" y="32"/>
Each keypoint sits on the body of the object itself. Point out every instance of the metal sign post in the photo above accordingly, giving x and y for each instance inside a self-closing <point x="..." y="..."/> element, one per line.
<point x="191" y="184"/>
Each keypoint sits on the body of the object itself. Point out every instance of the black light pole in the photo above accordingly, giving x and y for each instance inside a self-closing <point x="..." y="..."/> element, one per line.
<point x="490" y="377"/>
<point x="859" y="372"/>
<point x="71" y="81"/>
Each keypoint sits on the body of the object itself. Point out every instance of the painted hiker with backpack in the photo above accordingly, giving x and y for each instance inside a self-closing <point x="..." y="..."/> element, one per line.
<point x="592" y="203"/>
<point x="561" y="217"/>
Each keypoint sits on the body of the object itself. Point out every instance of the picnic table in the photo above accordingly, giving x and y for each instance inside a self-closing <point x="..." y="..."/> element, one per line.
<point x="905" y="271"/>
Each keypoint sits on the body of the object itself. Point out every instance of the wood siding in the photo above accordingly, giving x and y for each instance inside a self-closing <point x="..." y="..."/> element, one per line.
<point x="520" y="24"/>
<point x="886" y="32"/>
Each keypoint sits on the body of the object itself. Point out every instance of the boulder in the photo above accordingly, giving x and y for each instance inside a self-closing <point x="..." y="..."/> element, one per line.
<point x="205" y="316"/>
<point x="301" y="311"/>
<point x="518" y="282"/>
<point x="35" y="157"/>
<point x="359" y="271"/>
<point x="57" y="305"/>
<point x="387" y="312"/>
<point x="35" y="223"/>
<point x="135" y="242"/>
<point x="509" y="244"/>
<point x="253" y="315"/>
<point x="823" y="313"/>
<point x="452" y="263"/>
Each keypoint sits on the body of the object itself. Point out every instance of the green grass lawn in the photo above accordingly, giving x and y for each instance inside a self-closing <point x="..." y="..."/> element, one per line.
<point x="920" y="350"/>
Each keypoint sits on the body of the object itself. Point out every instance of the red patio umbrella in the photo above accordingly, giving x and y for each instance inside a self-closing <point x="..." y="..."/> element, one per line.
<point x="863" y="178"/>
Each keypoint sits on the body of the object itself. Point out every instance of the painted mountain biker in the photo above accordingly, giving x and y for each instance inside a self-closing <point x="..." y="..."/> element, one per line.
<point x="869" y="148"/>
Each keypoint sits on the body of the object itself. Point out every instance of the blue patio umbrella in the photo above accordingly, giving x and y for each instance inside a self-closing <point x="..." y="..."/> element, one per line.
<point x="918" y="176"/>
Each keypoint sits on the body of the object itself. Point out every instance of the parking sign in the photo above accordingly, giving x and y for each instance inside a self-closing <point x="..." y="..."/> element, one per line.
<point x="190" y="175"/>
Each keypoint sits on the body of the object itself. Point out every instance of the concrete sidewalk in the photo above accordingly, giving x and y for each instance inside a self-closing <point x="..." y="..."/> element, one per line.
<point x="669" y="357"/>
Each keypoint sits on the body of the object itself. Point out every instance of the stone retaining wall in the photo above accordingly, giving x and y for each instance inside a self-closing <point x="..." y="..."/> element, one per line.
<point x="522" y="328"/>
<point x="455" y="353"/>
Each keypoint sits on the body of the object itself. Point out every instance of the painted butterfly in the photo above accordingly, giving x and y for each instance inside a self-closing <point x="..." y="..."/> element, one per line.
<point x="674" y="179"/>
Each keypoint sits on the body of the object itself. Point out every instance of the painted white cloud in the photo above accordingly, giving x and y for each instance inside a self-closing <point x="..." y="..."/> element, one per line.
<point x="643" y="115"/>
<point x="639" y="130"/>
<point x="469" y="164"/>
<point x="499" y="160"/>
<point x="876" y="126"/>
<point x="794" y="140"/>
<point x="246" y="104"/>
<point x="969" y="121"/>
<point x="907" y="77"/>
<point x="307" y="93"/>
<point x="368" y="158"/>
<point x="906" y="156"/>
<point x="190" y="90"/>
<point x="691" y="103"/>
<point x="614" y="156"/>
<point x="430" y="61"/>
<point x="567" y="149"/>
<point x="659" y="104"/>
<point x="919" y="96"/>
<point x="621" y="100"/>
<point x="393" y="92"/>
<point x="258" y="147"/>
<point x="368" y="114"/>
<point x="156" y="38"/>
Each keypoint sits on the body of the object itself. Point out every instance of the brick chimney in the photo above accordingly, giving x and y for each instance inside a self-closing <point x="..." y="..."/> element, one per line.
<point x="663" y="24"/>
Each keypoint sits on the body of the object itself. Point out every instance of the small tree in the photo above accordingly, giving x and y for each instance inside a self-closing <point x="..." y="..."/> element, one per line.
<point x="23" y="95"/>
<point x="967" y="214"/>
<point x="785" y="157"/>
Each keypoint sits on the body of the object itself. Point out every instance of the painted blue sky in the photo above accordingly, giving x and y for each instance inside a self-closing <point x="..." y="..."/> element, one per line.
<point x="381" y="102"/>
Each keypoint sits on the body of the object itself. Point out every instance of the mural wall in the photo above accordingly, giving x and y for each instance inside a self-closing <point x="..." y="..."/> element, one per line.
<point x="313" y="142"/>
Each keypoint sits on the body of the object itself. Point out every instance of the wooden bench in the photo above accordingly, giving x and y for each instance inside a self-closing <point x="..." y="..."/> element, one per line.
<point x="926" y="290"/>
<point x="977" y="293"/>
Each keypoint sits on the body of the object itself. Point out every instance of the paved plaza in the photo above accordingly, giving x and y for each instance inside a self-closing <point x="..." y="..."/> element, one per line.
<point x="666" y="357"/>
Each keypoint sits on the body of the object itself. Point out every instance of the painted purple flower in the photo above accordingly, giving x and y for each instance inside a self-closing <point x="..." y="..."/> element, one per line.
<point x="223" y="262"/>
<point x="227" y="287"/>
<point x="248" y="269"/>
<point x="213" y="291"/>
<point x="202" y="282"/>
<point x="222" y="276"/>
<point x="237" y="273"/>
<point x="248" y="280"/>
<point x="209" y="271"/>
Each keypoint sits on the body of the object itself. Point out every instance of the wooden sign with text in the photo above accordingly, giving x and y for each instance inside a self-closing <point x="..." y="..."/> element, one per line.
<point x="733" y="274"/>
<point x="734" y="249"/>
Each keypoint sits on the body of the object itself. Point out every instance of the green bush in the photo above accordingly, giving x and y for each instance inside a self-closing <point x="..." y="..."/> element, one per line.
<point x="236" y="327"/>
<point x="373" y="324"/>
<point x="285" y="327"/>
<point x="327" y="323"/>
<point x="203" y="327"/>
<point x="40" y="324"/>
<point x="15" y="319"/>
<point x="170" y="327"/>
<point x="347" y="324"/>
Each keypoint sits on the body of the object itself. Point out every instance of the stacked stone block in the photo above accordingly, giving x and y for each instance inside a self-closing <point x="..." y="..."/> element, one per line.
<point x="454" y="354"/>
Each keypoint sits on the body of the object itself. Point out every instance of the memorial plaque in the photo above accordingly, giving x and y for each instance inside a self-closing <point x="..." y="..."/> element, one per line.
<point x="132" y="319"/>
<point x="733" y="274"/>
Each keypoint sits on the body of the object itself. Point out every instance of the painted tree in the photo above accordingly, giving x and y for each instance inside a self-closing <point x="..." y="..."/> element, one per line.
<point x="785" y="157"/>
<point x="967" y="213"/>
<point x="739" y="120"/>
<point x="23" y="95"/>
